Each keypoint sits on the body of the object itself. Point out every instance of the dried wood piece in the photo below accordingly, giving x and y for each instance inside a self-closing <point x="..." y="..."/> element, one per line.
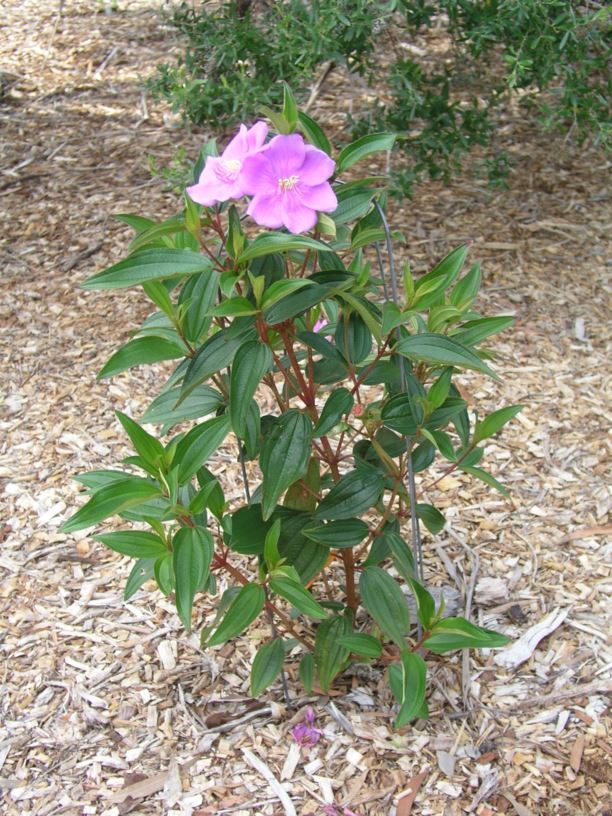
<point x="522" y="649"/>
<point x="267" y="774"/>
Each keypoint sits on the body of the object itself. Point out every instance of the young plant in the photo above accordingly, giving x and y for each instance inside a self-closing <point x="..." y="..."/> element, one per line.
<point x="295" y="349"/>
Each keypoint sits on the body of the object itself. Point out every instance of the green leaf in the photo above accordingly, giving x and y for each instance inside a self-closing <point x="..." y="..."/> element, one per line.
<point x="147" y="265"/>
<point x="438" y="393"/>
<point x="338" y="534"/>
<point x="363" y="645"/>
<point x="329" y="654"/>
<point x="339" y="403"/>
<point x="413" y="687"/>
<point x="458" y="633"/>
<point x="352" y="203"/>
<point x="475" y="331"/>
<point x="192" y="555"/>
<point x="158" y="293"/>
<point x="251" y="362"/>
<point x="269" y="242"/>
<point x="233" y="307"/>
<point x="137" y="222"/>
<point x="135" y="543"/>
<point x="466" y="289"/>
<point x="358" y="150"/>
<point x="110" y="500"/>
<point x="306" y="671"/>
<point x="198" y="445"/>
<point x="490" y="425"/>
<point x="216" y="353"/>
<point x="355" y="493"/>
<point x="353" y="338"/>
<point x="393" y="317"/>
<point x="402" y="556"/>
<point x="386" y="603"/>
<point x="430" y="286"/>
<point x="425" y="604"/>
<point x="298" y="596"/>
<point x="147" y="446"/>
<point x="284" y="457"/>
<point x="163" y="570"/>
<point x="152" y="234"/>
<point x="271" y="553"/>
<point x="142" y="571"/>
<point x="267" y="665"/>
<point x="141" y="351"/>
<point x="313" y="133"/>
<point x="295" y="303"/>
<point x="249" y="530"/>
<point x="166" y="409"/>
<point x="483" y="476"/>
<point x="438" y="349"/>
<point x="290" y="110"/>
<point x="359" y="305"/>
<point x="397" y="414"/>
<point x="431" y="518"/>
<point x="245" y="607"/>
<point x="281" y="289"/>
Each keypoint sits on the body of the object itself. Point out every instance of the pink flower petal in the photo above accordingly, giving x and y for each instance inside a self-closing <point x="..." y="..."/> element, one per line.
<point x="317" y="166"/>
<point x="320" y="197"/>
<point x="286" y="154"/>
<point x="258" y="176"/>
<point x="266" y="211"/>
<point x="295" y="215"/>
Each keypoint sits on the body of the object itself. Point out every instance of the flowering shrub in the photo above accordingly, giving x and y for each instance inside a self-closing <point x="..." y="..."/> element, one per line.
<point x="336" y="394"/>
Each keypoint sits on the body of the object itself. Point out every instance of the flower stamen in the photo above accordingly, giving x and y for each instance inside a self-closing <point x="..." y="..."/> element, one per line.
<point x="288" y="183"/>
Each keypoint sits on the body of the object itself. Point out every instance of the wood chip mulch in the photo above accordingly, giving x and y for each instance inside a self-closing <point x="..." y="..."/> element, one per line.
<point x="109" y="708"/>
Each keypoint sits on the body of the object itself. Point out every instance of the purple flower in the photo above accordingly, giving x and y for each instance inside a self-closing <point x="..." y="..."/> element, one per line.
<point x="221" y="177"/>
<point x="304" y="733"/>
<point x="288" y="182"/>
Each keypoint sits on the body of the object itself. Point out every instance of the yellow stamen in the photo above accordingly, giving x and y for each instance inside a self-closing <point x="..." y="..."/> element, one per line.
<point x="233" y="165"/>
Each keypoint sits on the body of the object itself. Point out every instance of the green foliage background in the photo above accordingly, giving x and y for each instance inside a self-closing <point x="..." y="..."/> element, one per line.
<point x="554" y="54"/>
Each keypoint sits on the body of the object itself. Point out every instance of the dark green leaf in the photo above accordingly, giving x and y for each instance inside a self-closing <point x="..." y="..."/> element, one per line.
<point x="245" y="607"/>
<point x="192" y="555"/>
<point x="431" y="518"/>
<point x="284" y="457"/>
<point x="479" y="473"/>
<point x="386" y="603"/>
<point x="490" y="425"/>
<point x="438" y="349"/>
<point x="110" y="500"/>
<point x="298" y="596"/>
<point x="402" y="556"/>
<point x="373" y="143"/>
<point x="339" y="403"/>
<point x="353" y="494"/>
<point x="216" y="353"/>
<point x="397" y="414"/>
<point x="142" y="571"/>
<point x="147" y="265"/>
<point x="413" y="687"/>
<point x="282" y="289"/>
<point x="135" y="543"/>
<point x="353" y="338"/>
<point x="338" y="534"/>
<point x="313" y="133"/>
<point x="307" y="672"/>
<point x="267" y="665"/>
<point x="475" y="331"/>
<point x="363" y="645"/>
<point x="425" y="604"/>
<point x="147" y="446"/>
<point x="295" y="303"/>
<point x="251" y="362"/>
<point x="164" y="573"/>
<point x="457" y="633"/>
<point x="329" y="654"/>
<point x="166" y="409"/>
<point x="141" y="351"/>
<point x="270" y="242"/>
<point x="198" y="445"/>
<point x="249" y="530"/>
<point x="466" y="290"/>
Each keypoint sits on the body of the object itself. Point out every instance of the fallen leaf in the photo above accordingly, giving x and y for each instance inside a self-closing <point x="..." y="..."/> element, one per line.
<point x="576" y="753"/>
<point x="406" y="798"/>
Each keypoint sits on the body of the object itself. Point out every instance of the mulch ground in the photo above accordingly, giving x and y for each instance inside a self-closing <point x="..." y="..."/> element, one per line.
<point x="110" y="708"/>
